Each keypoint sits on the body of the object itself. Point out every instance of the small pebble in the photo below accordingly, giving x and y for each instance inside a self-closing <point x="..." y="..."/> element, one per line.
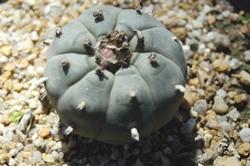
<point x="245" y="134"/>
<point x="190" y="98"/>
<point x="44" y="132"/>
<point x="212" y="124"/>
<point x="36" y="157"/>
<point x="220" y="65"/>
<point x="247" y="56"/>
<point x="244" y="149"/>
<point x="33" y="104"/>
<point x="180" y="32"/>
<point x="244" y="78"/>
<point x="222" y="40"/>
<point x="221" y="93"/>
<point x="53" y="9"/>
<point x="240" y="98"/>
<point x="234" y="63"/>
<point x="12" y="162"/>
<point x="200" y="106"/>
<point x="211" y="19"/>
<point x="8" y="134"/>
<point x="225" y="126"/>
<point x="188" y="53"/>
<point x="19" y="146"/>
<point x="219" y="105"/>
<point x="226" y="161"/>
<point x="234" y="114"/>
<point x="48" y="158"/>
<point x="4" y="157"/>
<point x="6" y="50"/>
<point x="13" y="152"/>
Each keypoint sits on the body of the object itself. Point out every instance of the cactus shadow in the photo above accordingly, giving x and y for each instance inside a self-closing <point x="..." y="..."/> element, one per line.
<point x="172" y="145"/>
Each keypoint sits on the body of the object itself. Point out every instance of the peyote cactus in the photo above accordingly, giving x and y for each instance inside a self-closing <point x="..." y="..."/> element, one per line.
<point x="115" y="75"/>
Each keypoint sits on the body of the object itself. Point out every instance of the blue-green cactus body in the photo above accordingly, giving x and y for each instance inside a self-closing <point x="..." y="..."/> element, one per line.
<point x="102" y="95"/>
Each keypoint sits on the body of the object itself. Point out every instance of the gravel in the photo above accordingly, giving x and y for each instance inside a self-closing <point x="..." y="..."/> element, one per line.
<point x="247" y="56"/>
<point x="211" y="127"/>
<point x="245" y="134"/>
<point x="220" y="106"/>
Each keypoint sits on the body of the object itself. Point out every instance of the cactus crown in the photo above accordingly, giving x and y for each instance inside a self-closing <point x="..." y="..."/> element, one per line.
<point x="112" y="52"/>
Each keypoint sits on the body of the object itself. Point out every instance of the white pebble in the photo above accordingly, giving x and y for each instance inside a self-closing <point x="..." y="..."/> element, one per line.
<point x="245" y="134"/>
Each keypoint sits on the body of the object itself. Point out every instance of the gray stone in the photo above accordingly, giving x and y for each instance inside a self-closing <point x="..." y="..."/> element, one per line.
<point x="39" y="143"/>
<point x="56" y="155"/>
<point x="188" y="53"/>
<point x="200" y="106"/>
<point x="221" y="118"/>
<point x="245" y="134"/>
<point x="12" y="162"/>
<point x="8" y="134"/>
<point x="234" y="63"/>
<point x="222" y="40"/>
<point x="19" y="146"/>
<point x="234" y="114"/>
<point x="226" y="13"/>
<point x="225" y="126"/>
<point x="55" y="128"/>
<point x="210" y="36"/>
<point x="53" y="10"/>
<point x="247" y="56"/>
<point x="197" y="24"/>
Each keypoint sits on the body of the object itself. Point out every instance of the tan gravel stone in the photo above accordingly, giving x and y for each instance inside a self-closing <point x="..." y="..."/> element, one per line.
<point x="220" y="65"/>
<point x="210" y="114"/>
<point x="194" y="82"/>
<point x="18" y="87"/>
<point x="240" y="98"/>
<point x="244" y="78"/>
<point x="180" y="32"/>
<point x="33" y="104"/>
<point x="190" y="98"/>
<point x="4" y="157"/>
<point x="226" y="161"/>
<point x="231" y="94"/>
<point x="44" y="132"/>
<point x="48" y="158"/>
<point x="211" y="19"/>
<point x="220" y="105"/>
<point x="244" y="149"/>
<point x="6" y="50"/>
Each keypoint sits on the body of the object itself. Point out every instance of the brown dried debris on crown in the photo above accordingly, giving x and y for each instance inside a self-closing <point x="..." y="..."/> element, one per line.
<point x="112" y="52"/>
